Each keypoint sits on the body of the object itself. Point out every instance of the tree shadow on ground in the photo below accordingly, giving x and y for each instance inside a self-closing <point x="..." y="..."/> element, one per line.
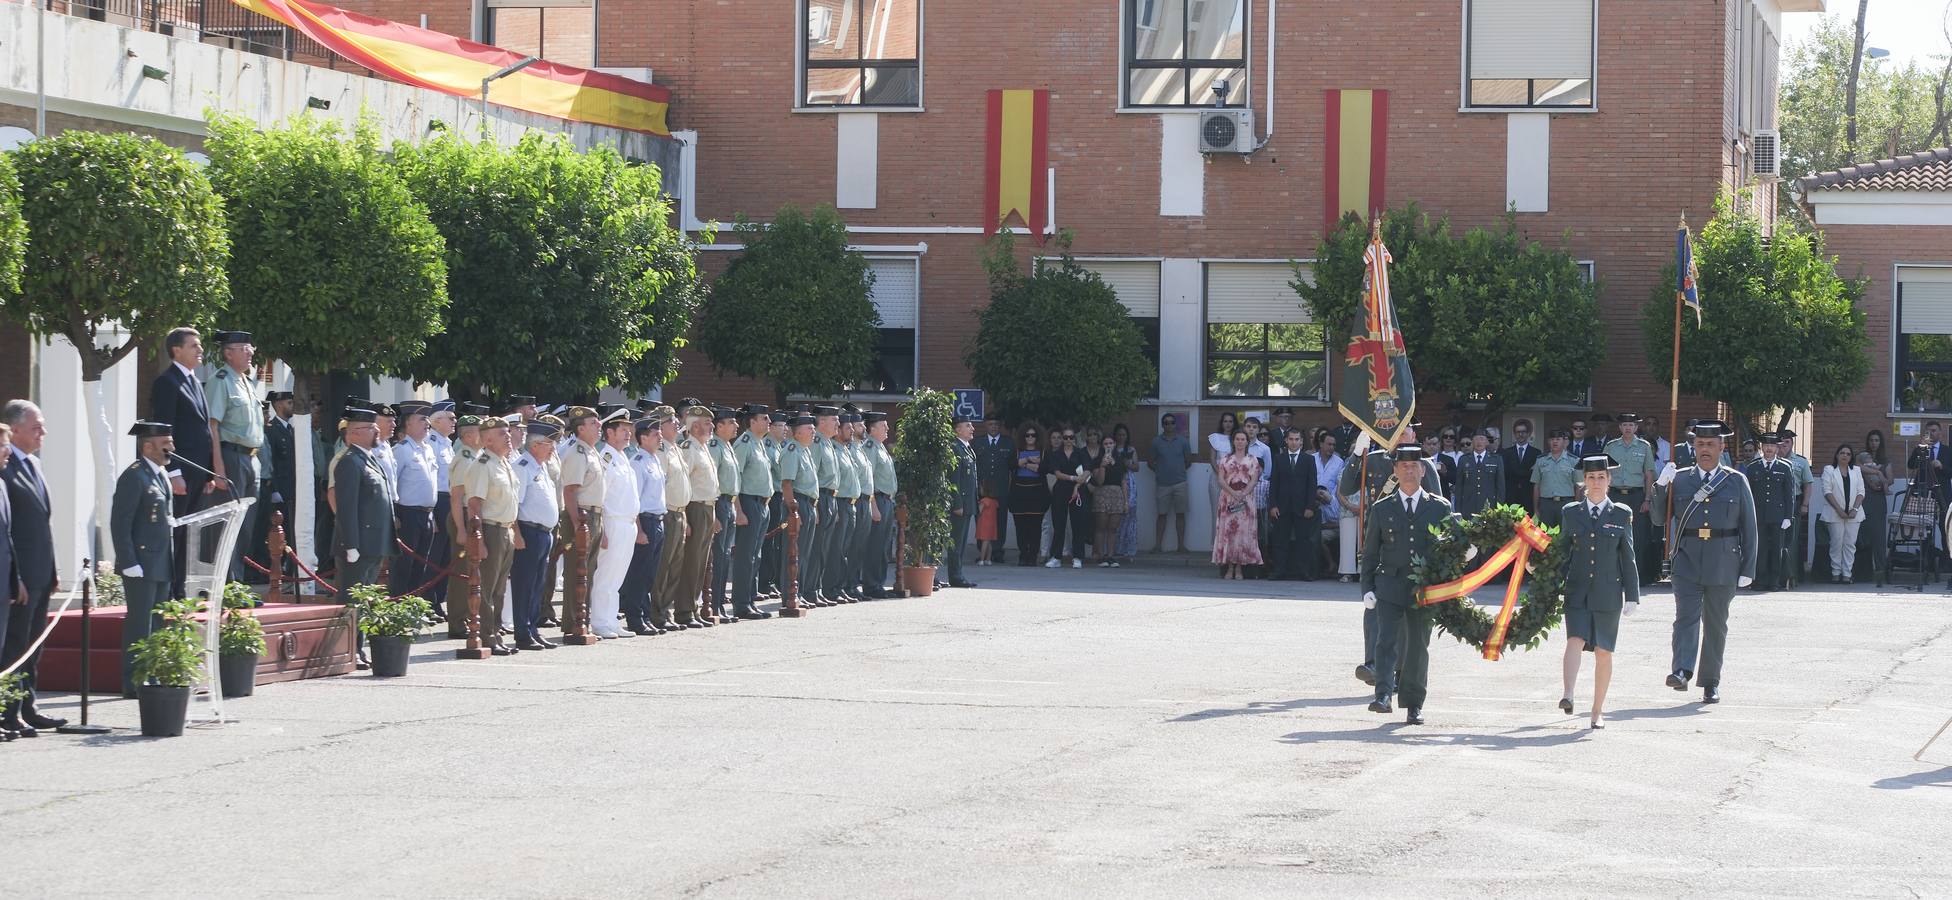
<point x="1422" y="736"/>
<point x="1270" y="707"/>
<point x="1940" y="778"/>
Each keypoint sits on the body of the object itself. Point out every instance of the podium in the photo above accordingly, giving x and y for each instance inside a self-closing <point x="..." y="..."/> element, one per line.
<point x="213" y="536"/>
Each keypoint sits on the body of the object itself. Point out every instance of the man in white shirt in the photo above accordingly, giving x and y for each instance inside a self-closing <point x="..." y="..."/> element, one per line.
<point x="538" y="507"/>
<point x="416" y="478"/>
<point x="639" y="617"/>
<point x="618" y="529"/>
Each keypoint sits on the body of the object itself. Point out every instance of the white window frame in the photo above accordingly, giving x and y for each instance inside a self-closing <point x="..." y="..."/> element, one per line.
<point x="798" y="100"/>
<point x="1897" y="335"/>
<point x="1464" y="74"/>
<point x="1328" y="355"/>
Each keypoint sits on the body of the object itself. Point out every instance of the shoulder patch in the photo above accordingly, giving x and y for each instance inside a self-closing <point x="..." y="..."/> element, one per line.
<point x="523" y="462"/>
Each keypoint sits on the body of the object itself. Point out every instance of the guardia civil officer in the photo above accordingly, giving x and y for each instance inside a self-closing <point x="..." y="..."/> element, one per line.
<point x="1714" y="553"/>
<point x="139" y="528"/>
<point x="1637" y="468"/>
<point x="753" y="479"/>
<point x="847" y="493"/>
<point x="881" y="469"/>
<point x="1773" y="482"/>
<point x="800" y="494"/>
<point x="865" y="515"/>
<point x="813" y="571"/>
<point x="1395" y="534"/>
<point x="1602" y="581"/>
<point x="962" y="502"/>
<point x="772" y="552"/>
<point x="232" y="396"/>
<point x="1369" y="477"/>
<point x="362" y="498"/>
<point x="725" y="430"/>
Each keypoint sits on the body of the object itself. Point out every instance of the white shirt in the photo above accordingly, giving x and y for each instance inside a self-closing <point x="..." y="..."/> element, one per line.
<point x="537" y="500"/>
<point x="1328" y="473"/>
<point x="1260" y="451"/>
<point x="619" y="483"/>
<point x="443" y="458"/>
<point x="1410" y="500"/>
<point x="416" y="472"/>
<point x="650" y="481"/>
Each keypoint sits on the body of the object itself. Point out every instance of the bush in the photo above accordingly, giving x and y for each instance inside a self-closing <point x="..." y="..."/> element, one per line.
<point x="922" y="453"/>
<point x="13" y="230"/>
<point x="383" y="616"/>
<point x="240" y="634"/>
<point x="171" y="655"/>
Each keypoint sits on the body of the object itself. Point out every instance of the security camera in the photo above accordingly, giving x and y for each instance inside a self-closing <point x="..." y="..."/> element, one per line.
<point x="1220" y="88"/>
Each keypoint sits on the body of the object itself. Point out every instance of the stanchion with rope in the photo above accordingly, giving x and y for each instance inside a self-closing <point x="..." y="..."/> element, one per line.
<point x="901" y="554"/>
<point x="87" y="604"/>
<point x="576" y="602"/>
<point x="789" y="603"/>
<point x="469" y="557"/>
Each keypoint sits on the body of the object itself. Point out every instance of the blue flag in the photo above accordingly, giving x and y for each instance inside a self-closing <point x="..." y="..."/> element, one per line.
<point x="1686" y="277"/>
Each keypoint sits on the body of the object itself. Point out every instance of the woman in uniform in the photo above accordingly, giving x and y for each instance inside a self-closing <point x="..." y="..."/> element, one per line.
<point x="1602" y="581"/>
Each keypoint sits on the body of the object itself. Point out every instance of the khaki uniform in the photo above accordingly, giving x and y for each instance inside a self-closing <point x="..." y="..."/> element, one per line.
<point x="582" y="468"/>
<point x="492" y="479"/>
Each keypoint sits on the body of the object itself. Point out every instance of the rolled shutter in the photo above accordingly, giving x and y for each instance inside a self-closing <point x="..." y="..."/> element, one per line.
<point x="897" y="291"/>
<point x="1257" y="293"/>
<point x="1135" y="281"/>
<point x="1925" y="300"/>
<point x="1541" y="39"/>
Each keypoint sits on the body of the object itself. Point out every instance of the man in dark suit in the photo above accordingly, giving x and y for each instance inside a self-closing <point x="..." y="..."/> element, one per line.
<point x="33" y="539"/>
<point x="1480" y="477"/>
<point x="10" y="588"/>
<point x="176" y="399"/>
<point x="996" y="456"/>
<point x="139" y="530"/>
<point x="363" y="501"/>
<point x="277" y="492"/>
<point x="1772" y="483"/>
<point x="962" y="502"/>
<point x="1519" y="459"/>
<point x="1292" y="508"/>
<point x="1396" y="534"/>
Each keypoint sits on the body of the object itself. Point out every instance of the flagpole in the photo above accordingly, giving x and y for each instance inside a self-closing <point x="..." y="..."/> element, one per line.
<point x="1674" y="410"/>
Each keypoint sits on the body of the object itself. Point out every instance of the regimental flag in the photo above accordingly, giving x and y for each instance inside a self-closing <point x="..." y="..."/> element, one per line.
<point x="1376" y="392"/>
<point x="445" y="63"/>
<point x="1354" y="150"/>
<point x="1686" y="278"/>
<point x="1013" y="160"/>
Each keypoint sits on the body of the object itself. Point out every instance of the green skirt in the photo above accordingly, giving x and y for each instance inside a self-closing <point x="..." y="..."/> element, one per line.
<point x="1599" y="629"/>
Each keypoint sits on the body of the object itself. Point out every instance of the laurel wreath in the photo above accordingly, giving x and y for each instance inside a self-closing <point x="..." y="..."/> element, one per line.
<point x="1458" y="541"/>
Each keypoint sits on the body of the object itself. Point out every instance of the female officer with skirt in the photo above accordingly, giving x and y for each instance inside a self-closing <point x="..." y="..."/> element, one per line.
<point x="1601" y="579"/>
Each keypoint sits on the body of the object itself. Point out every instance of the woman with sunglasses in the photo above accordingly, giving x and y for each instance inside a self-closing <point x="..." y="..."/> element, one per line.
<point x="1069" y="466"/>
<point x="1030" y="496"/>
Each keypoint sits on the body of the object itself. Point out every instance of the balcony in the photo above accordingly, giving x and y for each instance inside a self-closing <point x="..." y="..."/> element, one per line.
<point x="217" y="22"/>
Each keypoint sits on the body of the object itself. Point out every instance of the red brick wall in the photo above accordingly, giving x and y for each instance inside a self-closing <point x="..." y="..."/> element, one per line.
<point x="1870" y="251"/>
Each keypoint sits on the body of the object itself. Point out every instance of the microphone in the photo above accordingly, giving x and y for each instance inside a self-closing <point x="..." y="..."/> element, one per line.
<point x="180" y="460"/>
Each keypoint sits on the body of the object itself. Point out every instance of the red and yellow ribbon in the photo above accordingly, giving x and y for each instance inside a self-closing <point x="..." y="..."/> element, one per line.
<point x="1527" y="538"/>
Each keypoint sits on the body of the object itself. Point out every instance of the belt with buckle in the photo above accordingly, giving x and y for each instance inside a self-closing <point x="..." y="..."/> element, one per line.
<point x="247" y="451"/>
<point x="1706" y="533"/>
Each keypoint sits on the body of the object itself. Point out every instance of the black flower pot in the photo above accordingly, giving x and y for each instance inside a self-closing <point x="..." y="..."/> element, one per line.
<point x="163" y="708"/>
<point x="390" y="655"/>
<point x="238" y="673"/>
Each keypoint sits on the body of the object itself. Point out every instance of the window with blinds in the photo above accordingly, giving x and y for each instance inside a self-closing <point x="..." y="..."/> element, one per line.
<point x="1520" y="54"/>
<point x="1922" y="367"/>
<point x="1260" y="342"/>
<point x="897" y="296"/>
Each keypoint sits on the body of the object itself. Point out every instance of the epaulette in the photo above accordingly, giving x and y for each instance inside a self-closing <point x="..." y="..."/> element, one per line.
<point x="793" y="447"/>
<point x="523" y="462"/>
<point x="223" y="371"/>
<point x="745" y="438"/>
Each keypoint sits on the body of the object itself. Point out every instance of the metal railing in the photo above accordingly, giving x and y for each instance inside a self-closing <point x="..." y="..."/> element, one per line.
<point x="219" y="22"/>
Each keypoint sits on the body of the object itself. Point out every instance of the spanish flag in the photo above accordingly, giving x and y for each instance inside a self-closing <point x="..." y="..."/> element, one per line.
<point x="1013" y="160"/>
<point x="1354" y="154"/>
<point x="445" y="63"/>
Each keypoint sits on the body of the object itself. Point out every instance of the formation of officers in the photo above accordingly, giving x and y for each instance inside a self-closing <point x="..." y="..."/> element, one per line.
<point x="656" y="519"/>
<point x="1713" y="527"/>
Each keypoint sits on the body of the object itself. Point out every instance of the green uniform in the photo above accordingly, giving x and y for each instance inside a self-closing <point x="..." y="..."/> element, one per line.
<point x="874" y="565"/>
<point x="824" y="479"/>
<point x="1600" y="571"/>
<point x="754" y="474"/>
<point x="1393" y="539"/>
<point x="796" y="465"/>
<point x="1636" y="471"/>
<point x="727" y="467"/>
<point x="1558" y="481"/>
<point x="1636" y="462"/>
<point x="234" y="399"/>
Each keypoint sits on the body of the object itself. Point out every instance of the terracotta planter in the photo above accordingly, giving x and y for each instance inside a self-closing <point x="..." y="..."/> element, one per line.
<point x="918" y="581"/>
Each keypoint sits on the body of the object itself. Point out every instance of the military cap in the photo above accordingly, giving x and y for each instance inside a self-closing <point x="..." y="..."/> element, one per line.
<point x="616" y="414"/>
<point x="143" y="429"/>
<point x="826" y="411"/>
<point x="723" y="414"/>
<point x="697" y="411"/>
<point x="474" y="409"/>
<point x="441" y="406"/>
<point x="1768" y="437"/>
<point x="664" y="412"/>
<point x="1283" y="411"/>
<point x="543" y="431"/>
<point x="555" y="421"/>
<point x="798" y="421"/>
<point x="872" y="416"/>
<point x="577" y="412"/>
<point x="1708" y="428"/>
<point x="275" y="396"/>
<point x="648" y="424"/>
<point x="493" y="422"/>
<point x="691" y="401"/>
<point x="359" y="414"/>
<point x="356" y="403"/>
<point x="1597" y="464"/>
<point x="1784" y="434"/>
<point x="1628" y="417"/>
<point x="850" y="418"/>
<point x="646" y="405"/>
<point x="805" y="408"/>
<point x="1407" y="453"/>
<point x="468" y="421"/>
<point x="387" y="410"/>
<point x="409" y="408"/>
<point x="521" y="400"/>
<point x="756" y="409"/>
<point x="224" y="338"/>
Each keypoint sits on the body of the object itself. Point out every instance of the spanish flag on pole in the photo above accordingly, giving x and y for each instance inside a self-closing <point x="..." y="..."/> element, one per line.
<point x="1376" y="392"/>
<point x="1014" y="158"/>
<point x="1354" y="151"/>
<point x="445" y="63"/>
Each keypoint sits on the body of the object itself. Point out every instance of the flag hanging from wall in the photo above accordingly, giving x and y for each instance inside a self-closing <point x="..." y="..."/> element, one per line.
<point x="1013" y="160"/>
<point x="1354" y="150"/>
<point x="445" y="63"/>
<point x="1376" y="392"/>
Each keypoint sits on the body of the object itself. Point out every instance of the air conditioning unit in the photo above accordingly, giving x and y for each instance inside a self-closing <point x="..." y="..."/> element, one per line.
<point x="1766" y="154"/>
<point x="1227" y="130"/>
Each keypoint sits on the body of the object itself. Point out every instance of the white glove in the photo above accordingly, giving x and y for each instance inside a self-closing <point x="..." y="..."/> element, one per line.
<point x="132" y="572"/>
<point x="1633" y="606"/>
<point x="1667" y="475"/>
<point x="1368" y="599"/>
<point x="352" y="556"/>
<point x="1744" y="581"/>
<point x="1362" y="444"/>
<point x="1785" y="523"/>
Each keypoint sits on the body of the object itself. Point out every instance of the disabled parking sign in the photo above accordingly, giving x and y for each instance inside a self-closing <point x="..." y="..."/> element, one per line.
<point x="969" y="403"/>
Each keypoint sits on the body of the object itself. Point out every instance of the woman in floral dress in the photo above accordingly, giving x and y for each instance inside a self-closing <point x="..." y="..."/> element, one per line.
<point x="1235" y="541"/>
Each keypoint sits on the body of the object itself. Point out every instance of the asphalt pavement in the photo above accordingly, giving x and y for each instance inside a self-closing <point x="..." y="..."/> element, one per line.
<point x="1141" y="732"/>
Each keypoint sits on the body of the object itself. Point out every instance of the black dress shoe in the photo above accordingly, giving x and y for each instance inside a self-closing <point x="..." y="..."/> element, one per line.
<point x="549" y="623"/>
<point x="1565" y="705"/>
<point x="546" y="643"/>
<point x="1380" y="705"/>
<point x="643" y="630"/>
<point x="1677" y="681"/>
<point x="500" y="650"/>
<point x="526" y="644"/>
<point x="941" y="584"/>
<point x="1415" y="716"/>
<point x="35" y="719"/>
<point x="669" y="625"/>
<point x="361" y="662"/>
<point x="962" y="584"/>
<point x="754" y="615"/>
<point x="1711" y="695"/>
<point x="1366" y="674"/>
<point x="21" y="729"/>
<point x="8" y="734"/>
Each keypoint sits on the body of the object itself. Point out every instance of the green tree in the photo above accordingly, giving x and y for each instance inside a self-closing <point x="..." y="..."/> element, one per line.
<point x="1898" y="109"/>
<point x="334" y="264"/>
<point x="923" y="456"/>
<point x="13" y="231"/>
<point x="1780" y="330"/>
<point x="549" y="277"/>
<point x="1331" y="287"/>
<point x="677" y="293"/>
<point x="1102" y="370"/>
<point x="796" y="277"/>
<point x="125" y="240"/>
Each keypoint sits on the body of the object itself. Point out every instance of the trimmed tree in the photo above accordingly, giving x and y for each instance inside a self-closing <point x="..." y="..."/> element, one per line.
<point x="125" y="241"/>
<point x="13" y="231"/>
<point x="923" y="456"/>
<point x="333" y="262"/>
<point x="1102" y="370"/>
<point x="547" y="275"/>
<point x="677" y="293"/>
<point x="797" y="277"/>
<point x="1780" y="330"/>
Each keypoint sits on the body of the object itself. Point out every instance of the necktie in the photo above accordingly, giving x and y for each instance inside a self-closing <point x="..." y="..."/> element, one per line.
<point x="1412" y="504"/>
<point x="1595" y="508"/>
<point x="1294" y="459"/>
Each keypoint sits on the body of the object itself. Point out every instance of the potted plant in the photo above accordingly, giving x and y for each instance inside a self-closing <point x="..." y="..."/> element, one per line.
<point x="167" y="663"/>
<point x="925" y="458"/>
<point x="240" y="642"/>
<point x="391" y="623"/>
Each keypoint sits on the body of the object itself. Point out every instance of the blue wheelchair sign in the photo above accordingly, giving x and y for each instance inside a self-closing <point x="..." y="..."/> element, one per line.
<point x="969" y="403"/>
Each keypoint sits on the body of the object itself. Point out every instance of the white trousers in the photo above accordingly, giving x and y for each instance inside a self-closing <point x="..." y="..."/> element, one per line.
<point x="1346" y="545"/>
<point x="1843" y="547"/>
<point x="612" y="563"/>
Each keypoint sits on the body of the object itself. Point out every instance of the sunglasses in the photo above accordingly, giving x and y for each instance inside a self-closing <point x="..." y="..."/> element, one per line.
<point x="1070" y="437"/>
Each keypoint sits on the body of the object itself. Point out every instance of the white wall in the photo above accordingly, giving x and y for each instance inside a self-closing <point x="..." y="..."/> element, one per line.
<point x="66" y="455"/>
